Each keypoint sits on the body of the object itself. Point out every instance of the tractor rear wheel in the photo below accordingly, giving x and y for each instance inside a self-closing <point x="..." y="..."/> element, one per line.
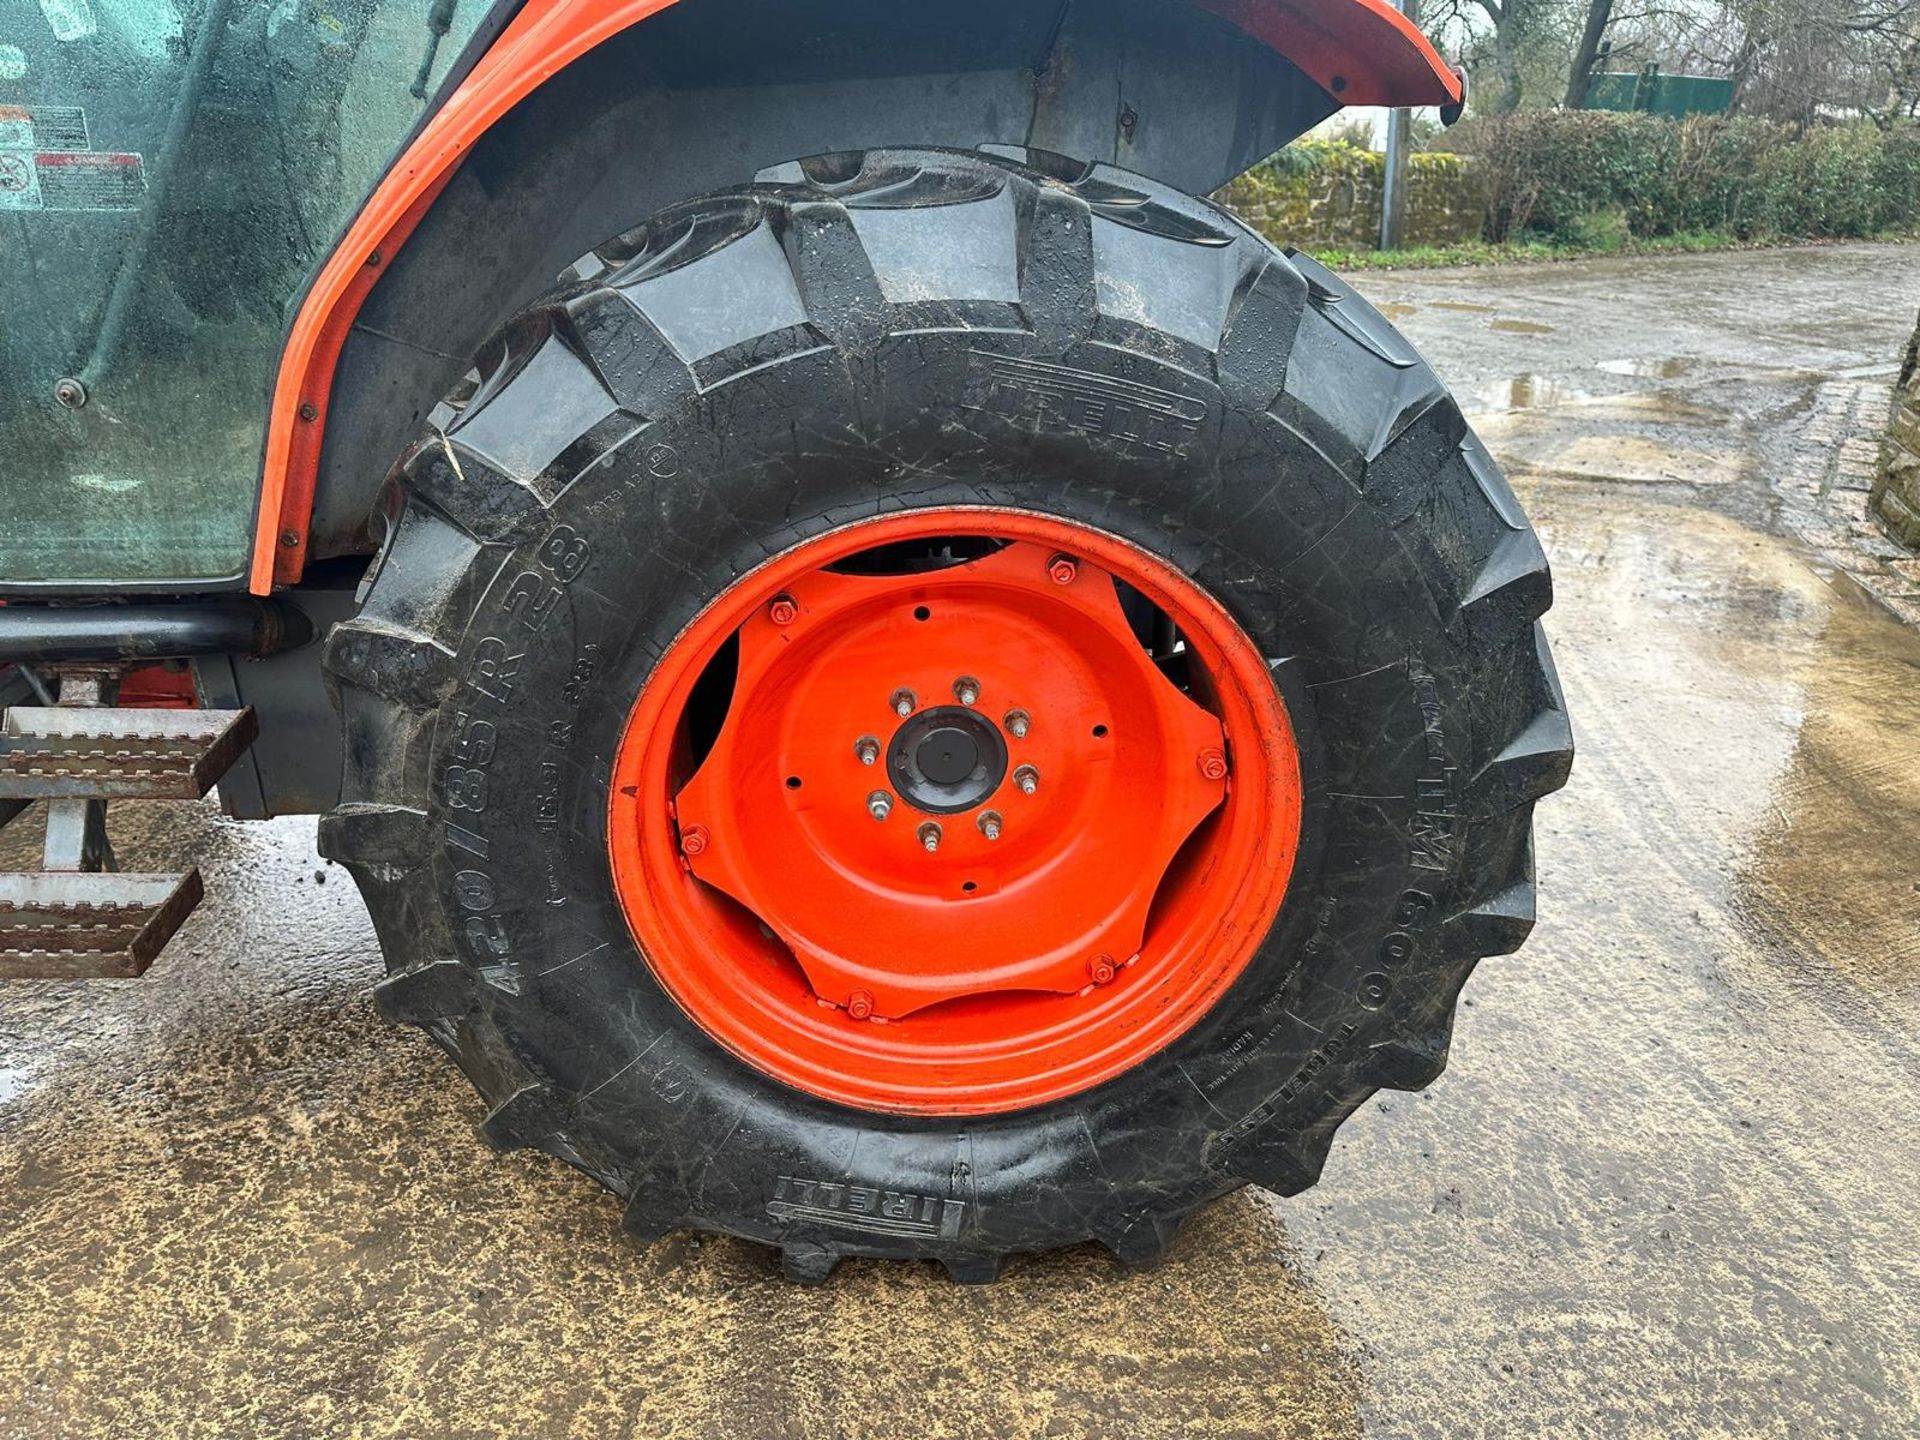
<point x="941" y="705"/>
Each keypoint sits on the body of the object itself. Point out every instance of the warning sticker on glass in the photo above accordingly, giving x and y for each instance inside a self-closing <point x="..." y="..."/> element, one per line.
<point x="43" y="127"/>
<point x="90" y="181"/>
<point x="64" y="181"/>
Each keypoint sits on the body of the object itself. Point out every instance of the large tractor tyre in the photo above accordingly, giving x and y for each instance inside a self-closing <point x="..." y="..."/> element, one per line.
<point x="941" y="705"/>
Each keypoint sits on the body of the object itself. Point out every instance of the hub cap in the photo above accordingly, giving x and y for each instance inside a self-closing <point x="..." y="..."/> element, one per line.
<point x="992" y="808"/>
<point x="947" y="760"/>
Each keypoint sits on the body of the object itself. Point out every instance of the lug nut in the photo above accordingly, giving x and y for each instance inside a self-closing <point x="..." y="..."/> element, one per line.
<point x="867" y="748"/>
<point x="693" y="840"/>
<point x="966" y="690"/>
<point x="783" y="611"/>
<point x="1018" y="722"/>
<point x="860" y="1005"/>
<point x="1213" y="764"/>
<point x="1027" y="778"/>
<point x="1062" y="569"/>
<point x="930" y="837"/>
<point x="879" y="804"/>
<point x="904" y="703"/>
<point x="990" y="824"/>
<point x="1100" y="969"/>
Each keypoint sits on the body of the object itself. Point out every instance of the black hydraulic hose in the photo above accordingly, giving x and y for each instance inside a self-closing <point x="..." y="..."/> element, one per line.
<point x="57" y="634"/>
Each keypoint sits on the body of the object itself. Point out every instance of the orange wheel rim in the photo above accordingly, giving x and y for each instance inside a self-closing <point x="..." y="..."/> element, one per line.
<point x="955" y="812"/>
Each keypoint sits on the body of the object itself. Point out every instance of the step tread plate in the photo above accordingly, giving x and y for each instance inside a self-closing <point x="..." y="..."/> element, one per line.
<point x="76" y="752"/>
<point x="79" y="925"/>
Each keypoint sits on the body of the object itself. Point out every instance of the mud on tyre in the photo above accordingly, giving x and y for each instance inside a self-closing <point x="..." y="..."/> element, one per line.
<point x="977" y="352"/>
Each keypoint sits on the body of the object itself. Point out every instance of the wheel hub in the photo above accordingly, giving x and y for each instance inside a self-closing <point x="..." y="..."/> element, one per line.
<point x="1022" y="898"/>
<point x="947" y="760"/>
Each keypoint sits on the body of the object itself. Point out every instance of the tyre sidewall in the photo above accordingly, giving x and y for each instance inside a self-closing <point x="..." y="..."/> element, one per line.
<point x="574" y="620"/>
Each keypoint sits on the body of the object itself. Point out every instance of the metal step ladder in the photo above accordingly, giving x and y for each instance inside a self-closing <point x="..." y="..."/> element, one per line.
<point x="77" y="917"/>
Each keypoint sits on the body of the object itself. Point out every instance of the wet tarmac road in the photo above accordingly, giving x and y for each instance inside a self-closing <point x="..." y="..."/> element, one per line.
<point x="1667" y="1186"/>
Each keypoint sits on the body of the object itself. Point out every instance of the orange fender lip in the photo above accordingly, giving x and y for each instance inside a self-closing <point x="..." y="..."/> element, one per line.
<point x="1363" y="52"/>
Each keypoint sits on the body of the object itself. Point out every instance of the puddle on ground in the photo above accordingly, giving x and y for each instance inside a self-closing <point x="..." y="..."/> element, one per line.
<point x="1522" y="327"/>
<point x="1544" y="424"/>
<point x="1833" y="875"/>
<point x="12" y="1082"/>
<point x="1527" y="391"/>
<point x="1640" y="368"/>
<point x="1538" y="390"/>
<point x="1469" y="307"/>
<point x="1396" y="310"/>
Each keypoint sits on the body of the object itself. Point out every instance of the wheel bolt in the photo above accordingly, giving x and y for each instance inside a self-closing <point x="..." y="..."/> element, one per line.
<point x="693" y="840"/>
<point x="867" y="748"/>
<point x="783" y="611"/>
<point x="879" y="804"/>
<point x="966" y="690"/>
<point x="1062" y="569"/>
<point x="1018" y="722"/>
<point x="860" y="1005"/>
<point x="1027" y="778"/>
<point x="1213" y="764"/>
<point x="930" y="837"/>
<point x="1100" y="969"/>
<point x="990" y="824"/>
<point x="904" y="703"/>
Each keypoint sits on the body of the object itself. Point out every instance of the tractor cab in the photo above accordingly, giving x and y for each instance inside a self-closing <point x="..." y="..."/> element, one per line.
<point x="171" y="173"/>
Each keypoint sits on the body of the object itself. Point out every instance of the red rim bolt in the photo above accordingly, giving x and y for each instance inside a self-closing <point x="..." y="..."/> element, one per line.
<point x="783" y="611"/>
<point x="1213" y="764"/>
<point x="860" y="1005"/>
<point x="1100" y="969"/>
<point x="1062" y="569"/>
<point x="693" y="840"/>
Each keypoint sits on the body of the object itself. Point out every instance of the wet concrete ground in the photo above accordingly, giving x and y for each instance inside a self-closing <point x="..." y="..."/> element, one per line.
<point x="1667" y="1186"/>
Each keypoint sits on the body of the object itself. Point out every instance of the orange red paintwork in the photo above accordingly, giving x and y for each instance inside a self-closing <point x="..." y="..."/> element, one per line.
<point x="1363" y="51"/>
<point x="835" y="951"/>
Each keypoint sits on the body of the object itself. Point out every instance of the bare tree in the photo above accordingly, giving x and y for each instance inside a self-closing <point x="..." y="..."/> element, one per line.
<point x="1586" y="55"/>
<point x="1505" y="27"/>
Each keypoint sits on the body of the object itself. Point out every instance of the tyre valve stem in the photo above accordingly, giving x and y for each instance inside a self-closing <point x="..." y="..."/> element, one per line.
<point x="930" y="837"/>
<point x="1027" y="779"/>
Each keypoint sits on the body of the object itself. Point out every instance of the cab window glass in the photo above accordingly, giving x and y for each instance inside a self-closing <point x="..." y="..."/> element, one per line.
<point x="171" y="172"/>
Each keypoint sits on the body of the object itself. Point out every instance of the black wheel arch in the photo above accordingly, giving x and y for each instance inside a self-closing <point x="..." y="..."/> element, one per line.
<point x="709" y="92"/>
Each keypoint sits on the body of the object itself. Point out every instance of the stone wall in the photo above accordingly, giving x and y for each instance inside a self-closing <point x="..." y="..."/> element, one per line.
<point x="1325" y="195"/>
<point x="1896" y="490"/>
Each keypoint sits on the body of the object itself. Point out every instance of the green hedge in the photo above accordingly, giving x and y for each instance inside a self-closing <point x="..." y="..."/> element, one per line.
<point x="1327" y="193"/>
<point x="1567" y="175"/>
